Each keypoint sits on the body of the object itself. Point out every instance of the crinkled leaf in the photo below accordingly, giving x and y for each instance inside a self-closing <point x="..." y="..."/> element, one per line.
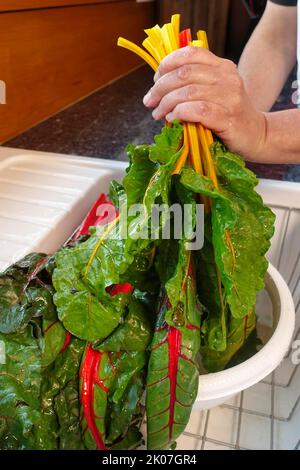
<point x="24" y="293"/>
<point x="240" y="210"/>
<point x="109" y="411"/>
<point x="60" y="400"/>
<point x="139" y="173"/>
<point x="172" y="264"/>
<point x="53" y="341"/>
<point x="214" y="327"/>
<point x="83" y="305"/>
<point x="67" y="409"/>
<point x="20" y="379"/>
<point x="133" y="335"/>
<point x="117" y="194"/>
<point x="239" y="330"/>
<point x="167" y="143"/>
<point x="172" y="380"/>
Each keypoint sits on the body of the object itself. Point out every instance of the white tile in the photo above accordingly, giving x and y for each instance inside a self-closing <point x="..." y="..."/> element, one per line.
<point x="188" y="443"/>
<point x="287" y="433"/>
<point x="258" y="398"/>
<point x="268" y="379"/>
<point x="196" y="423"/>
<point x="214" y="446"/>
<point x="284" y="372"/>
<point x="233" y="401"/>
<point x="255" y="432"/>
<point x="222" y="425"/>
<point x="286" y="397"/>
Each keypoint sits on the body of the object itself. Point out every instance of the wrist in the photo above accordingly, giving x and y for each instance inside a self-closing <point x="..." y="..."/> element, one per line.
<point x="257" y="143"/>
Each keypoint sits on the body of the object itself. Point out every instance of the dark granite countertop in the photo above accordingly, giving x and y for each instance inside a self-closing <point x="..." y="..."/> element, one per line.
<point x="102" y="124"/>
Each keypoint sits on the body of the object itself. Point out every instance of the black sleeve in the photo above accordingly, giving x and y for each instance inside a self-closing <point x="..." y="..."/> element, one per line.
<point x="287" y="3"/>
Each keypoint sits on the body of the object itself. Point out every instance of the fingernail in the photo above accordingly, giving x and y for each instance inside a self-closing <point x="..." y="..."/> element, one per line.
<point x="147" y="98"/>
<point x="169" y="117"/>
<point x="156" y="76"/>
<point x="154" y="114"/>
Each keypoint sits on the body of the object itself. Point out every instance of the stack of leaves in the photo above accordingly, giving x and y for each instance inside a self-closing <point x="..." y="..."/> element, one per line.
<point x="110" y="317"/>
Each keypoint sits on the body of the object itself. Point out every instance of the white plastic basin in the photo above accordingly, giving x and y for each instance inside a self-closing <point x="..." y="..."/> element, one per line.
<point x="218" y="387"/>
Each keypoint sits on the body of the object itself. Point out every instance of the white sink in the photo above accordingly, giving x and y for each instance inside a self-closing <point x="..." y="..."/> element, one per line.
<point x="45" y="196"/>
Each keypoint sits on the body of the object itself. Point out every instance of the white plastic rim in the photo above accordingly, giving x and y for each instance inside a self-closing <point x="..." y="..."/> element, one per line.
<point x="216" y="388"/>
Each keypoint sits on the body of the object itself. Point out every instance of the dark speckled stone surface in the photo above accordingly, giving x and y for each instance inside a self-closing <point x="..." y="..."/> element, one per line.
<point x="102" y="124"/>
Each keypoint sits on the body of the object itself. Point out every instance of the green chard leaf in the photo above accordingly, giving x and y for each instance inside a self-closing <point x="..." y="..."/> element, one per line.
<point x="139" y="173"/>
<point x="167" y="144"/>
<point x="20" y="380"/>
<point x="173" y="375"/>
<point x="115" y="382"/>
<point x="67" y="409"/>
<point x="148" y="182"/>
<point x="53" y="340"/>
<point x="25" y="293"/>
<point x="117" y="194"/>
<point x="214" y="324"/>
<point x="239" y="330"/>
<point x="29" y="418"/>
<point x="172" y="264"/>
<point x="133" y="335"/>
<point x="83" y="305"/>
<point x="240" y="210"/>
<point x="60" y="405"/>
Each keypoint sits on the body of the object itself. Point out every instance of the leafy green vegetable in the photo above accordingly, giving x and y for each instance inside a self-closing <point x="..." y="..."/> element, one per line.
<point x="32" y="389"/>
<point x="214" y="324"/>
<point x="133" y="335"/>
<point x="20" y="380"/>
<point x="111" y="387"/>
<point x="238" y="208"/>
<point x="167" y="144"/>
<point x="238" y="333"/>
<point x="172" y="380"/>
<point x="82" y="335"/>
<point x="117" y="194"/>
<point x="83" y="305"/>
<point x="139" y="173"/>
<point x="60" y="397"/>
<point x="23" y="293"/>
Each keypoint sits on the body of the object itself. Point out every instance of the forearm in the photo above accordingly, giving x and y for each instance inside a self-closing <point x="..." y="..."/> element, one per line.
<point x="264" y="73"/>
<point x="282" y="139"/>
<point x="270" y="55"/>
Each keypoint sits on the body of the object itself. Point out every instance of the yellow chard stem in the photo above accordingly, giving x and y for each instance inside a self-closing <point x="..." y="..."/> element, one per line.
<point x="139" y="51"/>
<point x="197" y="43"/>
<point x="183" y="157"/>
<point x="206" y="140"/>
<point x="194" y="147"/>
<point x="154" y="37"/>
<point x="175" y="21"/>
<point x="202" y="36"/>
<point x="165" y="32"/>
<point x="210" y="168"/>
<point x="148" y="45"/>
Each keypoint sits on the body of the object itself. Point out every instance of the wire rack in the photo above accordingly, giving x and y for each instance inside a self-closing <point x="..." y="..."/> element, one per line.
<point x="266" y="416"/>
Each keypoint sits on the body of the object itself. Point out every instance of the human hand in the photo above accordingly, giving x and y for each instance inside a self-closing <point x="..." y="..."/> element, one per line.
<point x="194" y="85"/>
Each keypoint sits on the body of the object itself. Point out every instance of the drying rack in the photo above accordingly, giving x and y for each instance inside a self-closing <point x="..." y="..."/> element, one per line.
<point x="266" y="416"/>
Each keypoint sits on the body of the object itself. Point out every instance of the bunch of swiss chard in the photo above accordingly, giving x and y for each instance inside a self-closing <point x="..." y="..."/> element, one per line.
<point x="110" y="327"/>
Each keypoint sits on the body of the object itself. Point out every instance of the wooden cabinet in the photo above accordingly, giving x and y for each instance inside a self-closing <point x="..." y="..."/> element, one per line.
<point x="52" y="57"/>
<point x="19" y="5"/>
<point x="210" y="15"/>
